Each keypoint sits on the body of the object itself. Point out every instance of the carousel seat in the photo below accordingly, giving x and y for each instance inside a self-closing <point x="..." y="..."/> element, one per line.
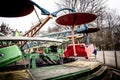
<point x="81" y="50"/>
<point x="9" y="55"/>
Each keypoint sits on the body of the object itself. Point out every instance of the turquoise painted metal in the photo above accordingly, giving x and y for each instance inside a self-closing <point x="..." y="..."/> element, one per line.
<point x="46" y="12"/>
<point x="9" y="55"/>
<point x="55" y="13"/>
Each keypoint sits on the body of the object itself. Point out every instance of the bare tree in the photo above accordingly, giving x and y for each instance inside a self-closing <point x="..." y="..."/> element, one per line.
<point x="91" y="6"/>
<point x="112" y="20"/>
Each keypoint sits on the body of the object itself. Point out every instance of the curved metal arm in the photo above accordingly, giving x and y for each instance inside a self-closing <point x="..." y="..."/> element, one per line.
<point x="55" y="13"/>
<point x="83" y="28"/>
<point x="43" y="11"/>
<point x="86" y="26"/>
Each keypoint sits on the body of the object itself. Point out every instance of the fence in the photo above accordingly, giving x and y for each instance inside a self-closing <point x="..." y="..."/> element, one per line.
<point x="111" y="58"/>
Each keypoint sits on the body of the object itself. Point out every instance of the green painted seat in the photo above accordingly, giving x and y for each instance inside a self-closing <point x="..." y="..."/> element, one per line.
<point x="9" y="55"/>
<point x="47" y="50"/>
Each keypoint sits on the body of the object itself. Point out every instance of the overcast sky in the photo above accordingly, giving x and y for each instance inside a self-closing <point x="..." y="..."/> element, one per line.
<point x="114" y="4"/>
<point x="24" y="23"/>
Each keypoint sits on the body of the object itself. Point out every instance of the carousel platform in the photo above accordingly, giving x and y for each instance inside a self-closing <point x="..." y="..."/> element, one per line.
<point x="68" y="71"/>
<point x="80" y="69"/>
<point x="15" y="75"/>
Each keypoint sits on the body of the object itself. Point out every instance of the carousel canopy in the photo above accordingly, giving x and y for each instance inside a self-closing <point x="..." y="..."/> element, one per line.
<point x="15" y="8"/>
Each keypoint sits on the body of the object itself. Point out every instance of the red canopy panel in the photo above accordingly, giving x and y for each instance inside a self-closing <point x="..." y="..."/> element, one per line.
<point x="90" y="30"/>
<point x="75" y="19"/>
<point x="15" y="8"/>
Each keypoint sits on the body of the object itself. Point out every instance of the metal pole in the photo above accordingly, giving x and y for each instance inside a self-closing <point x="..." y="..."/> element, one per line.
<point x="73" y="42"/>
<point x="103" y="56"/>
<point x="116" y="59"/>
<point x="37" y="15"/>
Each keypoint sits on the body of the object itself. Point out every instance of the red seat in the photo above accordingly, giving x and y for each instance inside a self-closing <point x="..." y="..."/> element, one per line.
<point x="81" y="50"/>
